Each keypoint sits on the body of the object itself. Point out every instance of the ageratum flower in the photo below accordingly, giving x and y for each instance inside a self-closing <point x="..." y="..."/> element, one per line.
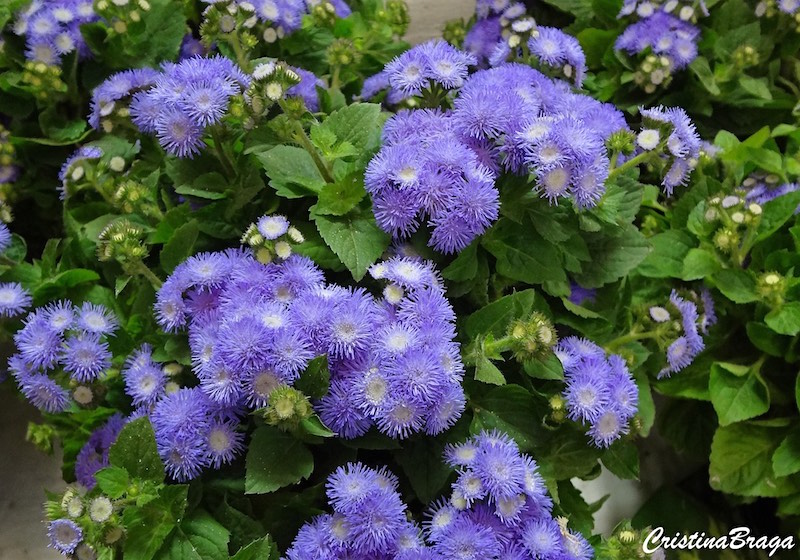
<point x="5" y="237"/>
<point x="482" y="38"/>
<point x="253" y="328"/>
<point x="52" y="29"/>
<point x="93" y="456"/>
<point x="75" y="168"/>
<point x="689" y="10"/>
<point x="665" y="35"/>
<point x="435" y="63"/>
<point x="686" y="341"/>
<point x="65" y="535"/>
<point x="425" y="169"/>
<point x="14" y="299"/>
<point x="554" y="48"/>
<point x="682" y="148"/>
<point x="761" y="188"/>
<point x="600" y="390"/>
<point x="144" y="379"/>
<point x="57" y="343"/>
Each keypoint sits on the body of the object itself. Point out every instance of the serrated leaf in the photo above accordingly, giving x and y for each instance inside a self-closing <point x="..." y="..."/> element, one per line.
<point x="737" y="285"/>
<point x="135" y="451"/>
<point x="613" y="257"/>
<point x="785" y="319"/>
<point x="355" y="238"/>
<point x="113" y="481"/>
<point x="487" y="372"/>
<point x="737" y="398"/>
<point x="786" y="459"/>
<point x="198" y="537"/>
<point x="341" y="197"/>
<point x="291" y="171"/>
<point x="180" y="246"/>
<point x="275" y="459"/>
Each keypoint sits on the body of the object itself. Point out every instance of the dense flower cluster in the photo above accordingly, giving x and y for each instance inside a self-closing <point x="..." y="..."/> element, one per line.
<point x="111" y="98"/>
<point x="65" y="342"/>
<point x="426" y="168"/>
<point x="194" y="432"/>
<point x="5" y="237"/>
<point x="185" y="99"/>
<point x="254" y="327"/>
<point x="65" y="535"/>
<point x="75" y="168"/>
<point x="555" y="49"/>
<point x="685" y="10"/>
<point x="434" y="65"/>
<point x="770" y="8"/>
<point x="93" y="456"/>
<point x="671" y="131"/>
<point x="665" y="35"/>
<point x="281" y="16"/>
<point x="510" y="118"/>
<point x="368" y="520"/>
<point x="683" y="321"/>
<point x="760" y="188"/>
<point x="499" y="509"/>
<point x="53" y="29"/>
<point x="600" y="391"/>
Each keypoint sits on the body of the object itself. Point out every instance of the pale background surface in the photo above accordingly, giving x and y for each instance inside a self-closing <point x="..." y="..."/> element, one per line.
<point x="24" y="471"/>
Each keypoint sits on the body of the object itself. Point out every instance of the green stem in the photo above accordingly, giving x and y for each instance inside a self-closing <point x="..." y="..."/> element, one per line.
<point x="630" y="337"/>
<point x="241" y="57"/>
<point x="142" y="269"/>
<point x="335" y="77"/>
<point x="5" y="261"/>
<point x="303" y="138"/>
<point x="220" y="151"/>
<point x="633" y="162"/>
<point x="500" y="345"/>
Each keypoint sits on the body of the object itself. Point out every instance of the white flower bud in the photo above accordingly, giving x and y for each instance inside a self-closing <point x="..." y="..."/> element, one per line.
<point x="117" y="164"/>
<point x="283" y="249"/>
<point x="648" y="139"/>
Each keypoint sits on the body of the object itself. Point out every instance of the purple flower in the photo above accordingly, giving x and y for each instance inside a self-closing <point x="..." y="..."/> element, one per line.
<point x="85" y="357"/>
<point x="44" y="393"/>
<point x="144" y="379"/>
<point x="664" y="35"/>
<point x="116" y="88"/>
<point x="434" y="62"/>
<point x="482" y="38"/>
<point x="683" y="143"/>
<point x="65" y="535"/>
<point x="5" y="237"/>
<point x="52" y="29"/>
<point x="306" y="89"/>
<point x="555" y="48"/>
<point x="93" y="456"/>
<point x="14" y="299"/>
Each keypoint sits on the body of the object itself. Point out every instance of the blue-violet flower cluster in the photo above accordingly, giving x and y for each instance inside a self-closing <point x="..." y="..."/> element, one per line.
<point x="58" y="343"/>
<point x="600" y="390"/>
<point x="53" y="29"/>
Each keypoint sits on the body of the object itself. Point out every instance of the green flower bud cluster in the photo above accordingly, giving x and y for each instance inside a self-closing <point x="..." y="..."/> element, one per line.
<point x="396" y="15"/>
<point x="771" y="286"/>
<point x="123" y="241"/>
<point x="271" y="80"/>
<point x="533" y="338"/>
<point x="454" y="32"/>
<point x="324" y="14"/>
<point x="653" y="72"/>
<point x="745" y="56"/>
<point x="287" y="408"/>
<point x="735" y="221"/>
<point x="268" y="247"/>
<point x="122" y="15"/>
<point x="43" y="81"/>
<point x="342" y="52"/>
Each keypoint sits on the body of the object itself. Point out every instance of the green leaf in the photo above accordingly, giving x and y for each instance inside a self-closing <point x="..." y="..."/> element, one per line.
<point x="113" y="481"/>
<point x="786" y="460"/>
<point x="291" y="171"/>
<point x="355" y="238"/>
<point x="741" y="461"/>
<point x="199" y="537"/>
<point x="464" y="266"/>
<point x="339" y="198"/>
<point x="669" y="253"/>
<point x="262" y="549"/>
<point x="495" y="317"/>
<point x="775" y="213"/>
<point x="785" y="319"/>
<point x="359" y="124"/>
<point x="767" y="340"/>
<point x="512" y="410"/>
<point x="737" y="398"/>
<point x="421" y="461"/>
<point x="315" y="379"/>
<point x="737" y="285"/>
<point x="487" y="372"/>
<point x="148" y="526"/>
<point x="275" y="459"/>
<point x="613" y="257"/>
<point x="522" y="254"/>
<point x="699" y="264"/>
<point x="549" y="368"/>
<point x="313" y="426"/>
<point x="622" y="459"/>
<point x="164" y="29"/>
<point x="135" y="451"/>
<point x="180" y="246"/>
